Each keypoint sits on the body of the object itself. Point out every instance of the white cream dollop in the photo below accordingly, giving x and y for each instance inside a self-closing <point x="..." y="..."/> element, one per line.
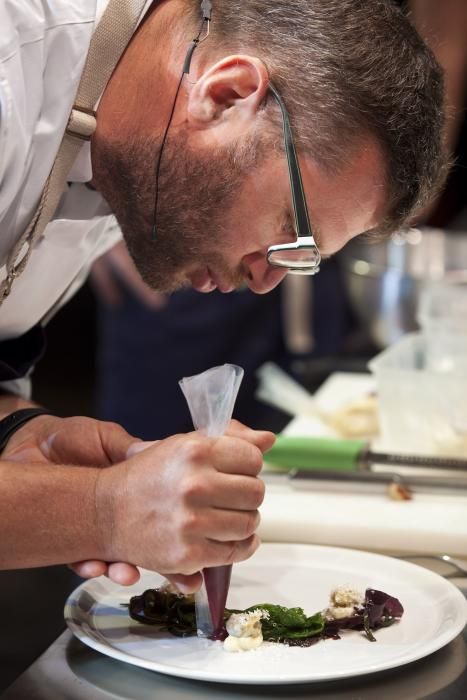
<point x="245" y="631"/>
<point x="342" y="603"/>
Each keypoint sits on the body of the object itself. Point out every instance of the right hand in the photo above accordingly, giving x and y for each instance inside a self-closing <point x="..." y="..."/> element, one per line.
<point x="114" y="271"/>
<point x="184" y="503"/>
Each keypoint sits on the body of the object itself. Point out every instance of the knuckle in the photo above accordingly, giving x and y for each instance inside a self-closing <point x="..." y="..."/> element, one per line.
<point x="192" y="559"/>
<point x="232" y="555"/>
<point x="234" y="428"/>
<point x="247" y="548"/>
<point x="251" y="523"/>
<point x="111" y="426"/>
<point x="255" y="543"/>
<point x="256" y="460"/>
<point x="191" y="489"/>
<point x="258" y="490"/>
<point x="190" y="523"/>
<point x="180" y="560"/>
<point x="194" y="450"/>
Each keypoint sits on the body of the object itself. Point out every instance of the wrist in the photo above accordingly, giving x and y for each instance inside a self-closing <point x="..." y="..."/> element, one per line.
<point x="10" y="403"/>
<point x="14" y="421"/>
<point x="106" y="505"/>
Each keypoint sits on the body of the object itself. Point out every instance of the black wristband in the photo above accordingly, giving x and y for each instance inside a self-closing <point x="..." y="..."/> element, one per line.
<point x="15" y="420"/>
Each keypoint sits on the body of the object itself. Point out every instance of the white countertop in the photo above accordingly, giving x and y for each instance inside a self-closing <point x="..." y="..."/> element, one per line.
<point x="430" y="523"/>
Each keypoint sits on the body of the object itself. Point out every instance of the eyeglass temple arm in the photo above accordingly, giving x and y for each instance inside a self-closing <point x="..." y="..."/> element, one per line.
<point x="302" y="221"/>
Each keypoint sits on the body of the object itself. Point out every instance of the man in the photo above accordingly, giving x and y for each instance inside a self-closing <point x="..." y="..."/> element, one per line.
<point x="194" y="168"/>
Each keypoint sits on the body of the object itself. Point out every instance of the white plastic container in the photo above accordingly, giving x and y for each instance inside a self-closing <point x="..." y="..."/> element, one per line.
<point x="423" y="409"/>
<point x="442" y="315"/>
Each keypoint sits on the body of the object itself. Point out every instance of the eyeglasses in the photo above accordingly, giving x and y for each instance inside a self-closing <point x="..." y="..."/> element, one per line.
<point x="301" y="257"/>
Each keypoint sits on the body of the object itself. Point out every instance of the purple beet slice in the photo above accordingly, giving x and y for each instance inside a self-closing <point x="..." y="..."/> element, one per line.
<point x="217" y="582"/>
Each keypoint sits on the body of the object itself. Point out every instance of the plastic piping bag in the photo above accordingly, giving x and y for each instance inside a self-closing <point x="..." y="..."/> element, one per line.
<point x="211" y="398"/>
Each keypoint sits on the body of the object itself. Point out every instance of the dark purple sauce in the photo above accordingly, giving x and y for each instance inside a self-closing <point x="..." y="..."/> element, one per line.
<point x="217" y="582"/>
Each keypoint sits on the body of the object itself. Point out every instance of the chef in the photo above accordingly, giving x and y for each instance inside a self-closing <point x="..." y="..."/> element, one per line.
<point x="231" y="143"/>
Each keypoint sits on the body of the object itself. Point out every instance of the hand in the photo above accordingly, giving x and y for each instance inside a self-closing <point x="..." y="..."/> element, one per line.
<point x="79" y="441"/>
<point x="124" y="573"/>
<point x="117" y="264"/>
<point x="185" y="503"/>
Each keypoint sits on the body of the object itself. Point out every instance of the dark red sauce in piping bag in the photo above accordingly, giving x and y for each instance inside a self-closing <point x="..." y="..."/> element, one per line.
<point x="217" y="582"/>
<point x="211" y="396"/>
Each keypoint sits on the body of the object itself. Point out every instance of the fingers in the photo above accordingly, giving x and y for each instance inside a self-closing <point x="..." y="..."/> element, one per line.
<point x="137" y="447"/>
<point x="224" y="491"/>
<point x="232" y="455"/>
<point x="89" y="569"/>
<point x="263" y="439"/>
<point x="116" y="442"/>
<point x="122" y="573"/>
<point x="119" y="572"/>
<point x="194" y="501"/>
<point x="186" y="584"/>
<point x="209" y="553"/>
<point x="85" y="442"/>
<point x="104" y="283"/>
<point x="222" y="525"/>
<point x="119" y="261"/>
<point x="222" y="553"/>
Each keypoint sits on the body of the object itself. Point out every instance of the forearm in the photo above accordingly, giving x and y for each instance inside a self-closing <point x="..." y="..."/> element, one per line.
<point x="48" y="515"/>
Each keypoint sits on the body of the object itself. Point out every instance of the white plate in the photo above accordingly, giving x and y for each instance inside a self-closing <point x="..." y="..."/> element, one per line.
<point x="291" y="575"/>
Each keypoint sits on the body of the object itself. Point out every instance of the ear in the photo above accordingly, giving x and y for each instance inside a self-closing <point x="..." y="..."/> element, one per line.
<point x="228" y="94"/>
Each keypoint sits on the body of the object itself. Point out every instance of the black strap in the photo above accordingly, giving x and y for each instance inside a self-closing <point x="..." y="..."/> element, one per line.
<point x="18" y="355"/>
<point x="15" y="420"/>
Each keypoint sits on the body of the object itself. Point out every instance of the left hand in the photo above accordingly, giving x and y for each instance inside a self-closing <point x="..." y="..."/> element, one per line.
<point x="116" y="268"/>
<point x="78" y="441"/>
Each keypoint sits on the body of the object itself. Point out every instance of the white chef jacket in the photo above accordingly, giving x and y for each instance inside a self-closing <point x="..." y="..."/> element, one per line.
<point x="43" y="47"/>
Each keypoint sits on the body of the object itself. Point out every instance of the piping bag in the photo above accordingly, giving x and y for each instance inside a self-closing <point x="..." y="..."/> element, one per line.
<point x="211" y="397"/>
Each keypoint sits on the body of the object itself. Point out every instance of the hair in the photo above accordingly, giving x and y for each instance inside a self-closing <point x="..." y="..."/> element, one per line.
<point x="346" y="69"/>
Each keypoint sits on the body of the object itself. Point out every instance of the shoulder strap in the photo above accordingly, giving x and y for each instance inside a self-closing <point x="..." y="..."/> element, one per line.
<point x="108" y="42"/>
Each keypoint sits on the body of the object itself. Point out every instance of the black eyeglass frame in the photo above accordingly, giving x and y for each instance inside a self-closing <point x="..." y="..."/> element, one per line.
<point x="305" y="239"/>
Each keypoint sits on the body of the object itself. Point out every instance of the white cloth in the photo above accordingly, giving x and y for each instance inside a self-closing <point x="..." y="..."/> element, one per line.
<point x="43" y="47"/>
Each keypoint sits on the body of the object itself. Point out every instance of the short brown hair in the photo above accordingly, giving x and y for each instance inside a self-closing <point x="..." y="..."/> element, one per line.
<point x="346" y="68"/>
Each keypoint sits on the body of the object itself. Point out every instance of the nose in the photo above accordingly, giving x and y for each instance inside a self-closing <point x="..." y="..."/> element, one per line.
<point x="260" y="276"/>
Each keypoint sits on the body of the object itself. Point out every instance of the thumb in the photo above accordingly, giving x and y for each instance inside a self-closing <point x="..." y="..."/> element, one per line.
<point x="186" y="584"/>
<point x="120" y="445"/>
<point x="263" y="439"/>
<point x="137" y="447"/>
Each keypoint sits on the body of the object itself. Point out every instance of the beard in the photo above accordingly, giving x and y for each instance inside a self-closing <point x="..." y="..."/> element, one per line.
<point x="196" y="197"/>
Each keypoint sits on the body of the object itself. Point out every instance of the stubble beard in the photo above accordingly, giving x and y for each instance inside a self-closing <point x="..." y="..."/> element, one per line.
<point x="196" y="200"/>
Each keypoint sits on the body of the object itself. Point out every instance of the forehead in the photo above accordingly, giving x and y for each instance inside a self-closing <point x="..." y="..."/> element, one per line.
<point x="345" y="204"/>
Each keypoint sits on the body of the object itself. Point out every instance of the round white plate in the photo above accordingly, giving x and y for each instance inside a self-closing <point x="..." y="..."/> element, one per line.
<point x="291" y="575"/>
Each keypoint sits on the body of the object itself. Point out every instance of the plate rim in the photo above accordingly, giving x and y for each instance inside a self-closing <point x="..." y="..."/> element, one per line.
<point x="110" y="651"/>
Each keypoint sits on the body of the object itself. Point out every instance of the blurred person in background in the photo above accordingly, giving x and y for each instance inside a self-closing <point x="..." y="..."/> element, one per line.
<point x="442" y="24"/>
<point x="148" y="341"/>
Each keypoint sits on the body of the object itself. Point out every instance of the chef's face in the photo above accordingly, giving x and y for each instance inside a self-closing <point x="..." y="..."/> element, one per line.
<point x="219" y="210"/>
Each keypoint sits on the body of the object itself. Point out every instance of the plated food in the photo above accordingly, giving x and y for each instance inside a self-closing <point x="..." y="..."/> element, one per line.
<point x="245" y="630"/>
<point x="292" y="575"/>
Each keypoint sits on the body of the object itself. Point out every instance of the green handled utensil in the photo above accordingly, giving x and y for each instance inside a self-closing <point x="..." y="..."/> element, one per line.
<point x="346" y="456"/>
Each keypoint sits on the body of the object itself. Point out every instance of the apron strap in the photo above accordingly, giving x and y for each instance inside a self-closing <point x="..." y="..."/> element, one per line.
<point x="108" y="43"/>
